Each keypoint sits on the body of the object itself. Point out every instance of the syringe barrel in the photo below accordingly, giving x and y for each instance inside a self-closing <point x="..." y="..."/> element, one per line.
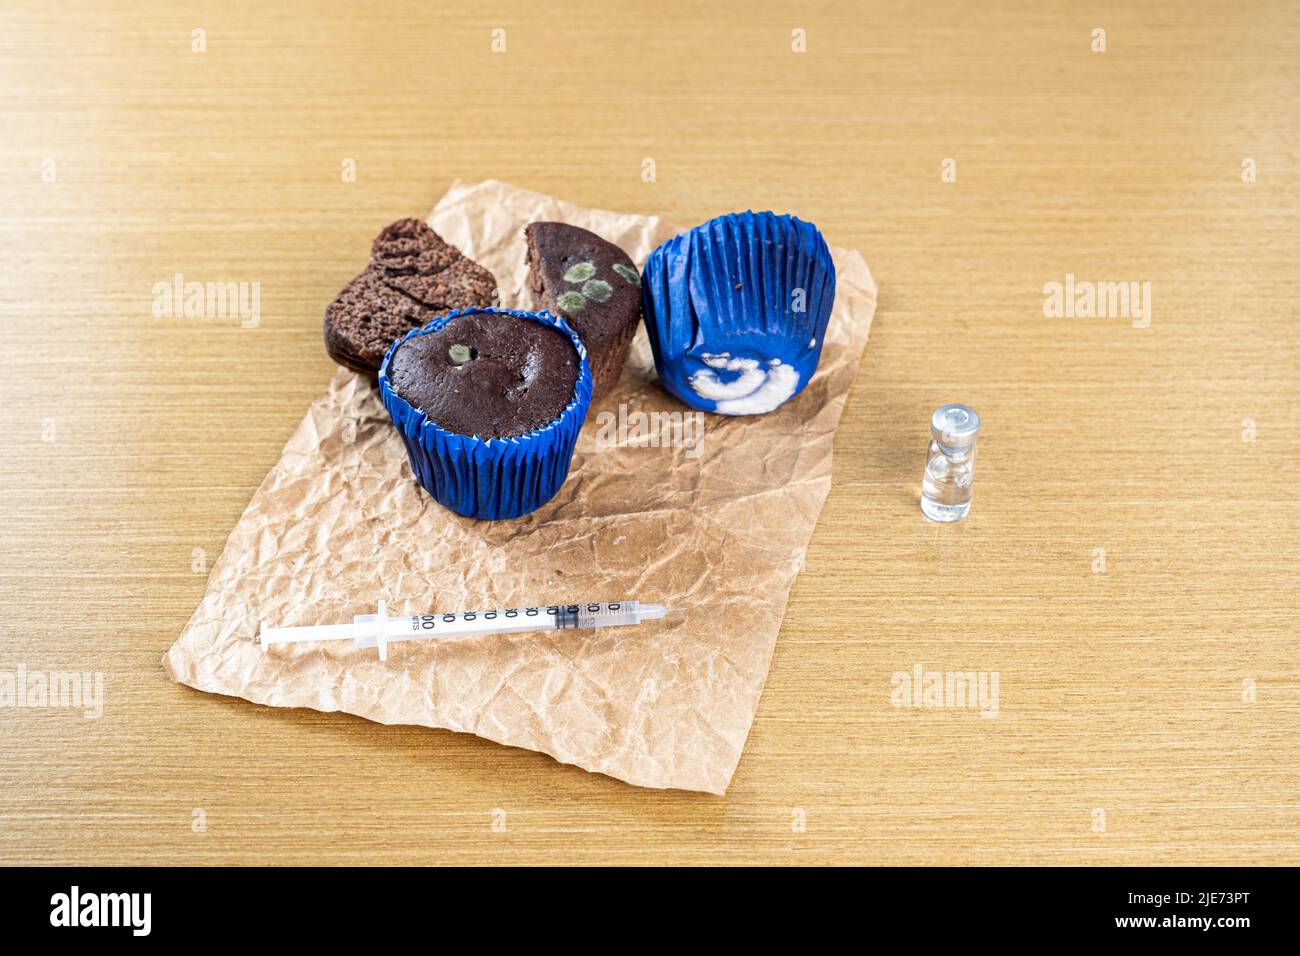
<point x="516" y="619"/>
<point x="604" y="614"/>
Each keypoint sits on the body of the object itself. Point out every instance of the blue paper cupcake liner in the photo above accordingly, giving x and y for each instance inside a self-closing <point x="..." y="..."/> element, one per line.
<point x="737" y="309"/>
<point x="497" y="477"/>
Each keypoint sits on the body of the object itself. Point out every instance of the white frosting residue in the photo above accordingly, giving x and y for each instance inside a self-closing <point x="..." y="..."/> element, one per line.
<point x="708" y="385"/>
<point x="754" y="391"/>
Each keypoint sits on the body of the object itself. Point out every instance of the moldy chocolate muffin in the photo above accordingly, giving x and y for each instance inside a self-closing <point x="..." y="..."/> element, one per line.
<point x="489" y="403"/>
<point x="594" y="285"/>
<point x="489" y="375"/>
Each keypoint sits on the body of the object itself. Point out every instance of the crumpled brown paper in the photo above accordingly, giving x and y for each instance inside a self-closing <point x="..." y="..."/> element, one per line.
<point x="713" y="521"/>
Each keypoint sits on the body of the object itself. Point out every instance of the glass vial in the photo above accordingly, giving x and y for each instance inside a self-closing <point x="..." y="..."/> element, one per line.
<point x="950" y="463"/>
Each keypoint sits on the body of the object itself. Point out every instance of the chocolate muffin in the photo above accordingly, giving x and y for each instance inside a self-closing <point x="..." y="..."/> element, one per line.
<point x="413" y="277"/>
<point x="489" y="375"/>
<point x="594" y="285"/>
<point x="489" y="404"/>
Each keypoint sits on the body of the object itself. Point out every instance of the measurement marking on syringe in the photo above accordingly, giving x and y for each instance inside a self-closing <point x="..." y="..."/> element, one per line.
<point x="565" y="616"/>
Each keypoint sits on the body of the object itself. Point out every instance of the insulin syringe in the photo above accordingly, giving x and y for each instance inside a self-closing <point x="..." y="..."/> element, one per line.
<point x="379" y="630"/>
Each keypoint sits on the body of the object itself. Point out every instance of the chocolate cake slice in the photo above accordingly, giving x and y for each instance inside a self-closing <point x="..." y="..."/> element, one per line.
<point x="417" y="261"/>
<point x="413" y="277"/>
<point x="594" y="285"/>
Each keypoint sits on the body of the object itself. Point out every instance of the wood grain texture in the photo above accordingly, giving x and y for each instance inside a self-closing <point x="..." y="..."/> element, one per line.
<point x="1122" y="691"/>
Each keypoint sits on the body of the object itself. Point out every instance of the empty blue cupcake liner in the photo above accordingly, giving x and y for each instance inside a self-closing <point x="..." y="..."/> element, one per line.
<point x="737" y="309"/>
<point x="497" y="477"/>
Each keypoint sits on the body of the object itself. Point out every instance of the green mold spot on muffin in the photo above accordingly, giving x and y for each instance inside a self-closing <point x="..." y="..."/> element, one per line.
<point x="580" y="272"/>
<point x="628" y="273"/>
<point x="459" y="354"/>
<point x="572" y="301"/>
<point x="598" y="289"/>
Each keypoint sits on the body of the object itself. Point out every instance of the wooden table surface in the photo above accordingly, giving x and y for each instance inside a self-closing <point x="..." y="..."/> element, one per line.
<point x="1129" y="569"/>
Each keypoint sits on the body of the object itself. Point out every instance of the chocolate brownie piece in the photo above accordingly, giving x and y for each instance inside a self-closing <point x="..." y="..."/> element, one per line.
<point x="366" y="318"/>
<point x="413" y="277"/>
<point x="594" y="285"/>
<point x="487" y="374"/>
<point x="416" y="260"/>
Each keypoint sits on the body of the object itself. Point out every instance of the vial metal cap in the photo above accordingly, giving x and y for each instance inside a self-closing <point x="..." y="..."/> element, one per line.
<point x="955" y="425"/>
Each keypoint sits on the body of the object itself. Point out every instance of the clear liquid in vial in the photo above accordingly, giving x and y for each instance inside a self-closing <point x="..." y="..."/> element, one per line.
<point x="950" y="464"/>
